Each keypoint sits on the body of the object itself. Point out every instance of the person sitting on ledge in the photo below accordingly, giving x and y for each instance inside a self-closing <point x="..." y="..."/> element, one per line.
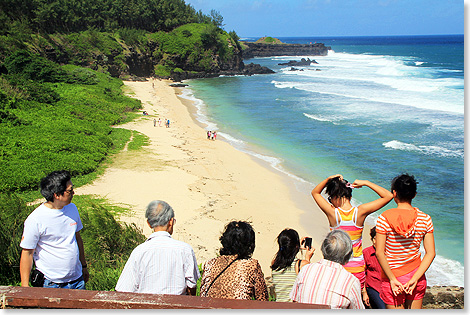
<point x="234" y="274"/>
<point x="326" y="281"/>
<point x="160" y="265"/>
<point x="285" y="267"/>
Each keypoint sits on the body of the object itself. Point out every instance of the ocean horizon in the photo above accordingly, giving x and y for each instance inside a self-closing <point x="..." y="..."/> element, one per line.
<point x="373" y="108"/>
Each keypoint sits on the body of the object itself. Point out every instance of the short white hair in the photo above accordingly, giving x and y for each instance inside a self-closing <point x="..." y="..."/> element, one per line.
<point x="337" y="247"/>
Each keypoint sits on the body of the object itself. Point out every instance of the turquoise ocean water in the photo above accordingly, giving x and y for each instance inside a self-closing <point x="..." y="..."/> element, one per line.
<point x="373" y="108"/>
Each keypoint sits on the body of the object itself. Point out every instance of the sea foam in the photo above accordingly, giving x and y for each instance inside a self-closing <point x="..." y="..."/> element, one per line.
<point x="398" y="145"/>
<point x="379" y="78"/>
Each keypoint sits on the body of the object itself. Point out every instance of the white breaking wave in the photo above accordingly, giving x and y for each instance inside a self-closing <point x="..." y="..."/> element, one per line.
<point x="445" y="272"/>
<point x="380" y="78"/>
<point x="317" y="118"/>
<point x="398" y="145"/>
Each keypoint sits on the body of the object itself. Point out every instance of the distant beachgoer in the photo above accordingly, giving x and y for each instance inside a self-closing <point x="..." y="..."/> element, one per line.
<point x="373" y="286"/>
<point x="215" y="135"/>
<point x="153" y="85"/>
<point x="208" y="134"/>
<point x="285" y="266"/>
<point x="342" y="215"/>
<point x="168" y="123"/>
<point x="159" y="122"/>
<point x="400" y="232"/>
<point x="234" y="274"/>
<point x="154" y="122"/>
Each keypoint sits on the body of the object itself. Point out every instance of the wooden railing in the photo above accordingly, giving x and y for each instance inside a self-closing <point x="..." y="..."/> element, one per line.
<point x="19" y="297"/>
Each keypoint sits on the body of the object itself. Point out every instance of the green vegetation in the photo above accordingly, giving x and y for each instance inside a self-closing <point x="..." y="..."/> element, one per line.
<point x="269" y="40"/>
<point x="47" y="123"/>
<point x="55" y="16"/>
<point x="107" y="243"/>
<point x="59" y="98"/>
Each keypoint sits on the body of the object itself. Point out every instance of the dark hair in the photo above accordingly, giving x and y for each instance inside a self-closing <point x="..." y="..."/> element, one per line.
<point x="372" y="232"/>
<point x="238" y="239"/>
<point x="289" y="245"/>
<point x="336" y="188"/>
<point x="54" y="183"/>
<point x="405" y="185"/>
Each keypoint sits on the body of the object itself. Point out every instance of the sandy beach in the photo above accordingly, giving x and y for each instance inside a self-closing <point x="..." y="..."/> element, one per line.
<point x="208" y="183"/>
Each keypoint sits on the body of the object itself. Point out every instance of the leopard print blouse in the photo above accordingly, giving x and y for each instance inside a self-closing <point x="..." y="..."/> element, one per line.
<point x="244" y="279"/>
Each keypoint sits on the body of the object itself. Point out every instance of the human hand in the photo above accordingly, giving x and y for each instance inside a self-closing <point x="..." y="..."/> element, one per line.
<point x="397" y="287"/>
<point x="337" y="175"/>
<point x="365" y="297"/>
<point x="309" y="253"/>
<point x="359" y="183"/>
<point x="410" y="286"/>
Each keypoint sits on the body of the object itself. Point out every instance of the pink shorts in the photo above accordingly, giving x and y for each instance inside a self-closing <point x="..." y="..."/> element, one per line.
<point x="418" y="293"/>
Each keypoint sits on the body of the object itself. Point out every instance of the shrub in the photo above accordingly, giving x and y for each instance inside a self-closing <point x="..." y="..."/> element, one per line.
<point x="34" y="67"/>
<point x="107" y="242"/>
<point x="13" y="212"/>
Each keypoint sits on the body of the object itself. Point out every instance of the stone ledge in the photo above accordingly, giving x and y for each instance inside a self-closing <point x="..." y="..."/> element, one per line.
<point x="444" y="297"/>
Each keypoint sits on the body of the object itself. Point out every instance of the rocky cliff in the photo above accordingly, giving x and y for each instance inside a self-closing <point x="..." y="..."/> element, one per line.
<point x="442" y="297"/>
<point x="268" y="50"/>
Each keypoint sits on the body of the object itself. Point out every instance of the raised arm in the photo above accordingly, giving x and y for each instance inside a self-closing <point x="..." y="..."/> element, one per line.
<point x="324" y="205"/>
<point x="368" y="208"/>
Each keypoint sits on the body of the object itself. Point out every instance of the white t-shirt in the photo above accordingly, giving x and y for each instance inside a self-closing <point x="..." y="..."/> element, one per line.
<point x="160" y="265"/>
<point x="51" y="232"/>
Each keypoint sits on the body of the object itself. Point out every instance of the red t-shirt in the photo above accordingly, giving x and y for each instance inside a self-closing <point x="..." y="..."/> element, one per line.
<point x="373" y="269"/>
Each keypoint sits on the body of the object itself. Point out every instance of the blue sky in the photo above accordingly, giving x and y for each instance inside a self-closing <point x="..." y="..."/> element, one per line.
<point x="279" y="18"/>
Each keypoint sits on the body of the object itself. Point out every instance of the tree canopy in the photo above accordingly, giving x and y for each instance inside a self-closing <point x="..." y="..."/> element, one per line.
<point x="65" y="16"/>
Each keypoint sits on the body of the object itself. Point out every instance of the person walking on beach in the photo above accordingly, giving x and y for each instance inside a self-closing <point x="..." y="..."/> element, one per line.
<point x="373" y="286"/>
<point x="160" y="265"/>
<point x="342" y="215"/>
<point x="154" y="122"/>
<point x="215" y="135"/>
<point x="168" y="123"/>
<point x="51" y="238"/>
<point x="326" y="281"/>
<point x="159" y="122"/>
<point x="400" y="232"/>
<point x="209" y="134"/>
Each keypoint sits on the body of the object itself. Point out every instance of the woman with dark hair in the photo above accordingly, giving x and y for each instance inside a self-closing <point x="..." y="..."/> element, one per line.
<point x="234" y="274"/>
<point x="342" y="215"/>
<point x="400" y="232"/>
<point x="285" y="267"/>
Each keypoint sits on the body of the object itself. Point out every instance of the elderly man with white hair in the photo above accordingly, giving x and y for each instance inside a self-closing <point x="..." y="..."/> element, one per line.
<point x="327" y="282"/>
<point x="160" y="265"/>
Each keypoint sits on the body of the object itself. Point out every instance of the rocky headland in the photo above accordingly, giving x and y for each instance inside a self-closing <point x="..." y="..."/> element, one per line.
<point x="269" y="50"/>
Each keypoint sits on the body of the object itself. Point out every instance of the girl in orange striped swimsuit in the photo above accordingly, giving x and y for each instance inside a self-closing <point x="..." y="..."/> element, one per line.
<point x="400" y="232"/>
<point x="342" y="215"/>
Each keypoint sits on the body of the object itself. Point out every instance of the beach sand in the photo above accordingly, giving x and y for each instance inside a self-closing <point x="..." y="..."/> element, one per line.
<point x="208" y="183"/>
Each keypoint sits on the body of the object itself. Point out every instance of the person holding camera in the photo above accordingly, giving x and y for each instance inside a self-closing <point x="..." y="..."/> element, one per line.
<point x="285" y="265"/>
<point x="52" y="238"/>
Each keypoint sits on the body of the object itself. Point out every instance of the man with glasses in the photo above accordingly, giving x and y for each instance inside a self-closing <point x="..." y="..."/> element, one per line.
<point x="160" y="265"/>
<point x="51" y="237"/>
